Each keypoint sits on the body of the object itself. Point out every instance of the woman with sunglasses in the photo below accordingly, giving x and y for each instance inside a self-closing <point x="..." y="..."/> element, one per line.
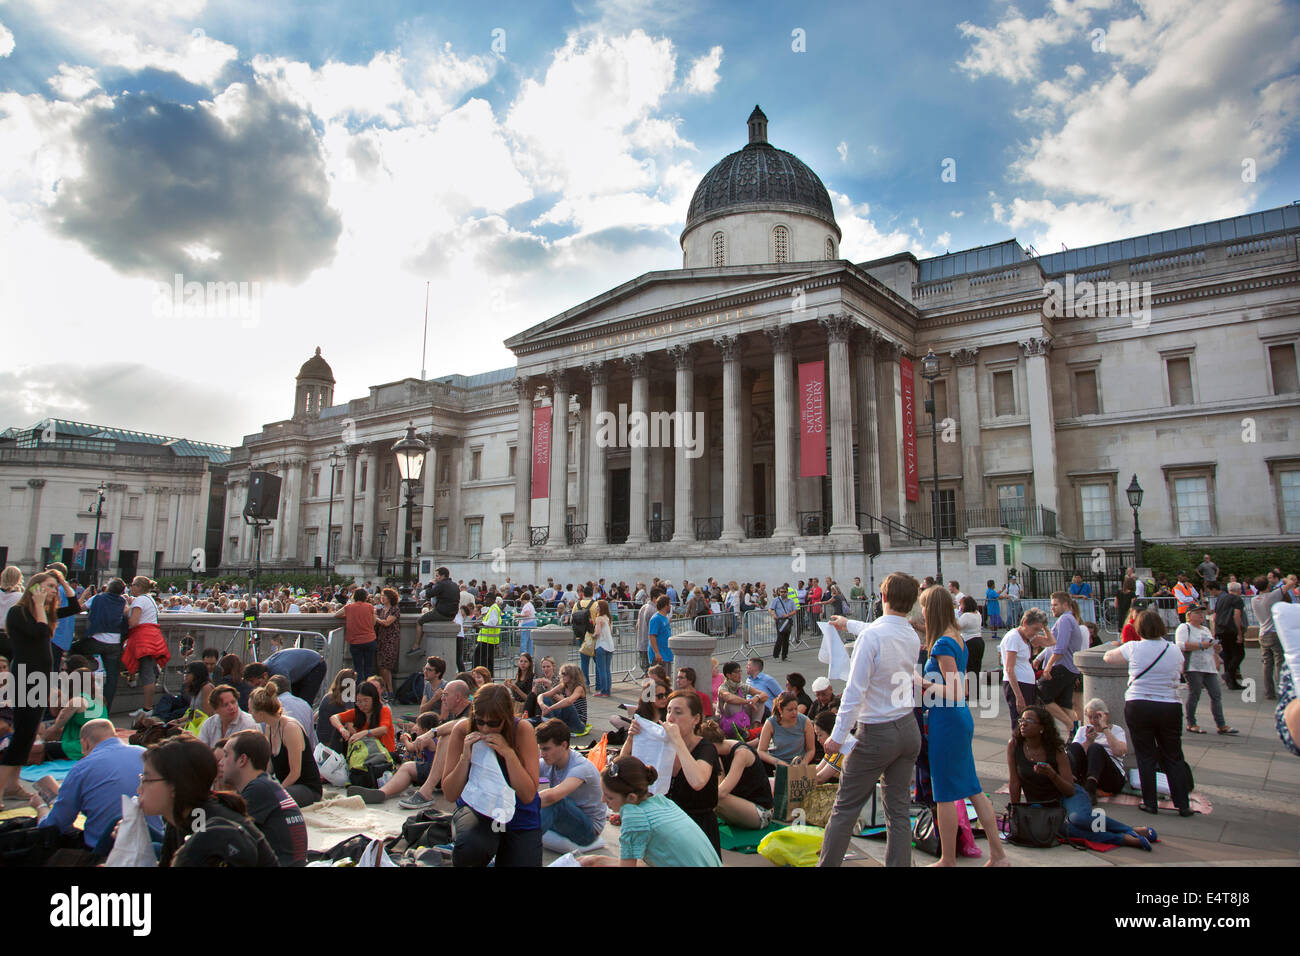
<point x="496" y="732"/>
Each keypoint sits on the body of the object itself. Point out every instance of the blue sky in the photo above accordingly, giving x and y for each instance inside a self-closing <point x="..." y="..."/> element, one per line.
<point x="523" y="157"/>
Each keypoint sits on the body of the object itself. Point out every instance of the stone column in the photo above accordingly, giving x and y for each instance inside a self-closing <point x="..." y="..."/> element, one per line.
<point x="428" y="498"/>
<point x="868" y="426"/>
<point x="597" y="475"/>
<point x="972" y="471"/>
<point x="292" y="505"/>
<point x="34" y="519"/>
<point x="783" y="405"/>
<point x="559" y="506"/>
<point x="747" y="379"/>
<point x="149" y="530"/>
<point x="639" y="477"/>
<point x="702" y="467"/>
<point x="684" y="466"/>
<point x="582" y="435"/>
<point x="347" y="547"/>
<point x="733" y="524"/>
<point x="693" y="649"/>
<point x="523" y="464"/>
<point x="1042" y="435"/>
<point x="890" y="418"/>
<point x="370" y="458"/>
<point x="457" y="535"/>
<point x="844" y="518"/>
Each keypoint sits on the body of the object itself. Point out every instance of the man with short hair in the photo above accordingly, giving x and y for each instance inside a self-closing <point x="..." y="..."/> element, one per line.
<point x="1186" y="595"/>
<point x="783" y="611"/>
<point x="763" y="681"/>
<point x="955" y="590"/>
<point x="227" y="718"/>
<point x="1270" y="647"/>
<point x="1202" y="671"/>
<point x="573" y="805"/>
<point x="660" y="629"/>
<point x="1079" y="588"/>
<point x="256" y="674"/>
<point x="857" y="592"/>
<point x="108" y="770"/>
<point x="643" y="617"/>
<point x="434" y="669"/>
<point x="245" y="757"/>
<point x="685" y="680"/>
<point x="455" y="707"/>
<point x="671" y="593"/>
<point x="1208" y="570"/>
<point x="1230" y="629"/>
<point x="878" y="700"/>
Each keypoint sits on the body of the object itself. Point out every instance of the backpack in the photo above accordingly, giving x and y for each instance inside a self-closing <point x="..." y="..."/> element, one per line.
<point x="580" y="621"/>
<point x="367" y="762"/>
<point x="170" y="707"/>
<point x="412" y="689"/>
<point x="427" y="828"/>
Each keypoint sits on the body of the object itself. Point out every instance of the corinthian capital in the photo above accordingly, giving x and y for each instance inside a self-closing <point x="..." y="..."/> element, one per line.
<point x="1038" y="346"/>
<point x="838" y="327"/>
<point x="729" y="346"/>
<point x="964" y="356"/>
<point x="682" y="356"/>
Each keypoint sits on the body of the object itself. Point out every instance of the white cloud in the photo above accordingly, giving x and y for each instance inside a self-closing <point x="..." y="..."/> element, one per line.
<point x="703" y="75"/>
<point x="957" y="213"/>
<point x="1013" y="48"/>
<point x="6" y="40"/>
<point x="73" y="82"/>
<point x="862" y="238"/>
<point x="843" y="150"/>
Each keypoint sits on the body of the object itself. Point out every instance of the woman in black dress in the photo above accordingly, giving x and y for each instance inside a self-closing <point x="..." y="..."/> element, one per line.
<point x="29" y="626"/>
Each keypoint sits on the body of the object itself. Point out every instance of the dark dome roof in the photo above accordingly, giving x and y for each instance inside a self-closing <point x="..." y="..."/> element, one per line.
<point x="316" y="368"/>
<point x="759" y="175"/>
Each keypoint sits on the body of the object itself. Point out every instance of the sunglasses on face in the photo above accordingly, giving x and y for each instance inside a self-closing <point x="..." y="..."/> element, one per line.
<point x="480" y="722"/>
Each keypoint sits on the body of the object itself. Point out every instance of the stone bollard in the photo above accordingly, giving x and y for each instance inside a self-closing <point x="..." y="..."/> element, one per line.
<point x="1108" y="682"/>
<point x="693" y="649"/>
<point x="555" y="641"/>
<point x="439" y="639"/>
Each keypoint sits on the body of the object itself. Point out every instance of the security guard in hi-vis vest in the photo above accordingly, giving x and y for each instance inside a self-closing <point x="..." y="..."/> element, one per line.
<point x="489" y="634"/>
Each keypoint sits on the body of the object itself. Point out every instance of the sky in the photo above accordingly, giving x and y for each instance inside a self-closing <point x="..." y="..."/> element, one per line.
<point x="328" y="162"/>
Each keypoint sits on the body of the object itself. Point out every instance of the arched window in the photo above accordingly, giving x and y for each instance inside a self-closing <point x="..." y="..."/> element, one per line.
<point x="830" y="248"/>
<point x="719" y="249"/>
<point x="780" y="244"/>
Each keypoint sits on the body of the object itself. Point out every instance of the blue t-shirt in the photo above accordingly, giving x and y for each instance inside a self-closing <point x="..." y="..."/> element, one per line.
<point x="1082" y="589"/>
<point x="768" y="685"/>
<point x="661" y="630"/>
<point x="65" y="630"/>
<point x="672" y="594"/>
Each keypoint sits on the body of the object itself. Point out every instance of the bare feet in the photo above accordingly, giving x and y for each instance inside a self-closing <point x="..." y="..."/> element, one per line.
<point x="1000" y="860"/>
<point x="943" y="863"/>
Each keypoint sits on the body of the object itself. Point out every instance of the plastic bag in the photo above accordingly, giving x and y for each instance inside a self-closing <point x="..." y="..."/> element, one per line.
<point x="793" y="846"/>
<point x="133" y="846"/>
<point x="333" y="768"/>
<point x="374" y="855"/>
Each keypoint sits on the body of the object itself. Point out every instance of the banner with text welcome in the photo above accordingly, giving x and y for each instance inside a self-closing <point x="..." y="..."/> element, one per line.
<point x="907" y="376"/>
<point x="812" y="419"/>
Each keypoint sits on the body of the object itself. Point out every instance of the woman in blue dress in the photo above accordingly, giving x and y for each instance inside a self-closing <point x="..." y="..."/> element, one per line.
<point x="951" y="729"/>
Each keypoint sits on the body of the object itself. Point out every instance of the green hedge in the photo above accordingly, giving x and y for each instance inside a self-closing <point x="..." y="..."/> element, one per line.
<point x="1243" y="562"/>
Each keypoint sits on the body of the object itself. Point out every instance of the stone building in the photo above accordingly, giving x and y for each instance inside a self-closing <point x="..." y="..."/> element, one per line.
<point x="163" y="498"/>
<point x="1169" y="356"/>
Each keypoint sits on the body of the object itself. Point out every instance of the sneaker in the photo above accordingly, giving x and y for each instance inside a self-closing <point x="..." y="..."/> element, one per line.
<point x="140" y="712"/>
<point x="368" y="794"/>
<point x="416" y="801"/>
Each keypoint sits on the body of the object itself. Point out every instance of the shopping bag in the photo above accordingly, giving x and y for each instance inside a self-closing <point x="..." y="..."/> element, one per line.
<point x="792" y="787"/>
<point x="133" y="846"/>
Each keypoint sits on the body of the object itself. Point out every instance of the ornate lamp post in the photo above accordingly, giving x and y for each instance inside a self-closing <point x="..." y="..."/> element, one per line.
<point x="1134" y="493"/>
<point x="410" y="452"/>
<point x="929" y="372"/>
<point x="329" y="522"/>
<point x="99" y="513"/>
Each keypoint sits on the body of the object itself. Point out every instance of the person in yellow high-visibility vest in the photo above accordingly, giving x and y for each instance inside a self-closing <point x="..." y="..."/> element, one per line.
<point x="793" y="594"/>
<point x="489" y="634"/>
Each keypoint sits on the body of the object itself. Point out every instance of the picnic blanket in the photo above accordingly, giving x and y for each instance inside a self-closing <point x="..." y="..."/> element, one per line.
<point x="741" y="840"/>
<point x="58" y="769"/>
<point x="337" y="817"/>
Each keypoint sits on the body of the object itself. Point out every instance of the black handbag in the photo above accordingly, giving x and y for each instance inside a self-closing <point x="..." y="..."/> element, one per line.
<point x="925" y="833"/>
<point x="427" y="828"/>
<point x="1036" y="825"/>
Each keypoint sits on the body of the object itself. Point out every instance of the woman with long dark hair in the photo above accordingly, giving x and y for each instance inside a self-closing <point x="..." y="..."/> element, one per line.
<point x="493" y="729"/>
<point x="369" y="717"/>
<point x="521" y="685"/>
<point x="340" y="696"/>
<point x="203" y="828"/>
<point x="30" y="627"/>
<point x="1040" y="769"/>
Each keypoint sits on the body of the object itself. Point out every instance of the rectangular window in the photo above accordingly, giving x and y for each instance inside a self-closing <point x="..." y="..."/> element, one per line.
<point x="364" y="469"/>
<point x="940" y="401"/>
<point x="1085" y="392"/>
<point x="1281" y="359"/>
<point x="1192" y="505"/>
<point x="444" y="472"/>
<point x="507" y="527"/>
<point x="1004" y="394"/>
<point x="513" y="455"/>
<point x="1011" y="506"/>
<point x="315" y="483"/>
<point x="133" y="506"/>
<point x="336" y="539"/>
<point x="573" y="446"/>
<point x="476" y="466"/>
<point x="1290" y="487"/>
<point x="338" y="482"/>
<point x="1179" y="371"/>
<point x="475" y="537"/>
<point x="946" y="519"/>
<point x="1094" y="505"/>
<point x="311" y="544"/>
<point x="388" y="476"/>
<point x="358" y="535"/>
<point x="442" y="536"/>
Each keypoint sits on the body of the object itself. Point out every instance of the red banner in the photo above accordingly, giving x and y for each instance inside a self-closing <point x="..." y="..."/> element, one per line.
<point x="542" y="451"/>
<point x="908" y="375"/>
<point x="812" y="419"/>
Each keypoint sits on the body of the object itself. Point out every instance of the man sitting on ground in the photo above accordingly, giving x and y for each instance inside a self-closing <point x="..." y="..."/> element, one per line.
<point x="228" y="718"/>
<point x="763" y="681"/>
<point x="431" y="700"/>
<point x="243" y="758"/>
<point x="573" y="805"/>
<point x="686" y="681"/>
<point x="824" y="698"/>
<point x="455" y="707"/>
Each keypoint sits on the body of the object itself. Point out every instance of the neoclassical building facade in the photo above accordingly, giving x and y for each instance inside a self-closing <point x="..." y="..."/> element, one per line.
<point x="1170" y="356"/>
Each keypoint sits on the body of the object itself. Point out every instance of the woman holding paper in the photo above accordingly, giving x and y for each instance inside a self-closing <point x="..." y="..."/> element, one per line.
<point x="492" y="777"/>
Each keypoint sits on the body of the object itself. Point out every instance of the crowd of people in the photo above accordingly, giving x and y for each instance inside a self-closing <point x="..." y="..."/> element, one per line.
<point x="241" y="748"/>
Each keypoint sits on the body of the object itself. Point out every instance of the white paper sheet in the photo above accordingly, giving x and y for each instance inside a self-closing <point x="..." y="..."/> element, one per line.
<point x="1286" y="620"/>
<point x="832" y="653"/>
<point x="567" y="860"/>
<point x="651" y="748"/>
<point x="487" y="789"/>
<point x="133" y="846"/>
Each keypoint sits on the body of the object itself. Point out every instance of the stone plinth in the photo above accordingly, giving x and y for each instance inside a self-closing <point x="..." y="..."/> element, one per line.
<point x="1107" y="681"/>
<point x="553" y="640"/>
<point x="439" y="640"/>
<point x="693" y="649"/>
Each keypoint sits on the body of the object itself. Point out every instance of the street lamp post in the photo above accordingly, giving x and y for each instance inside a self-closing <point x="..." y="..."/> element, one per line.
<point x="1134" y="493"/>
<point x="930" y="371"/>
<point x="410" y="452"/>
<point x="383" y="536"/>
<point x="329" y="522"/>
<point x="99" y="513"/>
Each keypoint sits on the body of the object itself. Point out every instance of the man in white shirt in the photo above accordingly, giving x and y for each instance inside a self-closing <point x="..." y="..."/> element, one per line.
<point x="1195" y="640"/>
<point x="878" y="698"/>
<point x="228" y="719"/>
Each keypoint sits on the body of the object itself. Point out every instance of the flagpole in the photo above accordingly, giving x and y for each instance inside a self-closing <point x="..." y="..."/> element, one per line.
<point x="425" y="342"/>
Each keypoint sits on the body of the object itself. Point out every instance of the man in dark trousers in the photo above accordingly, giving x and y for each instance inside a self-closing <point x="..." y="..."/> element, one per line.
<point x="445" y="595"/>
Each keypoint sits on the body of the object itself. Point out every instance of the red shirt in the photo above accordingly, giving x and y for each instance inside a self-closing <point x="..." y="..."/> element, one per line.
<point x="389" y="739"/>
<point x="814" y="600"/>
<point x="1129" y="634"/>
<point x="359" y="618"/>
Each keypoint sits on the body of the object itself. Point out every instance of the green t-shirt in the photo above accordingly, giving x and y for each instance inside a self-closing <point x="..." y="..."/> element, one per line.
<point x="857" y="594"/>
<point x="71" y="740"/>
<point x="659" y="831"/>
